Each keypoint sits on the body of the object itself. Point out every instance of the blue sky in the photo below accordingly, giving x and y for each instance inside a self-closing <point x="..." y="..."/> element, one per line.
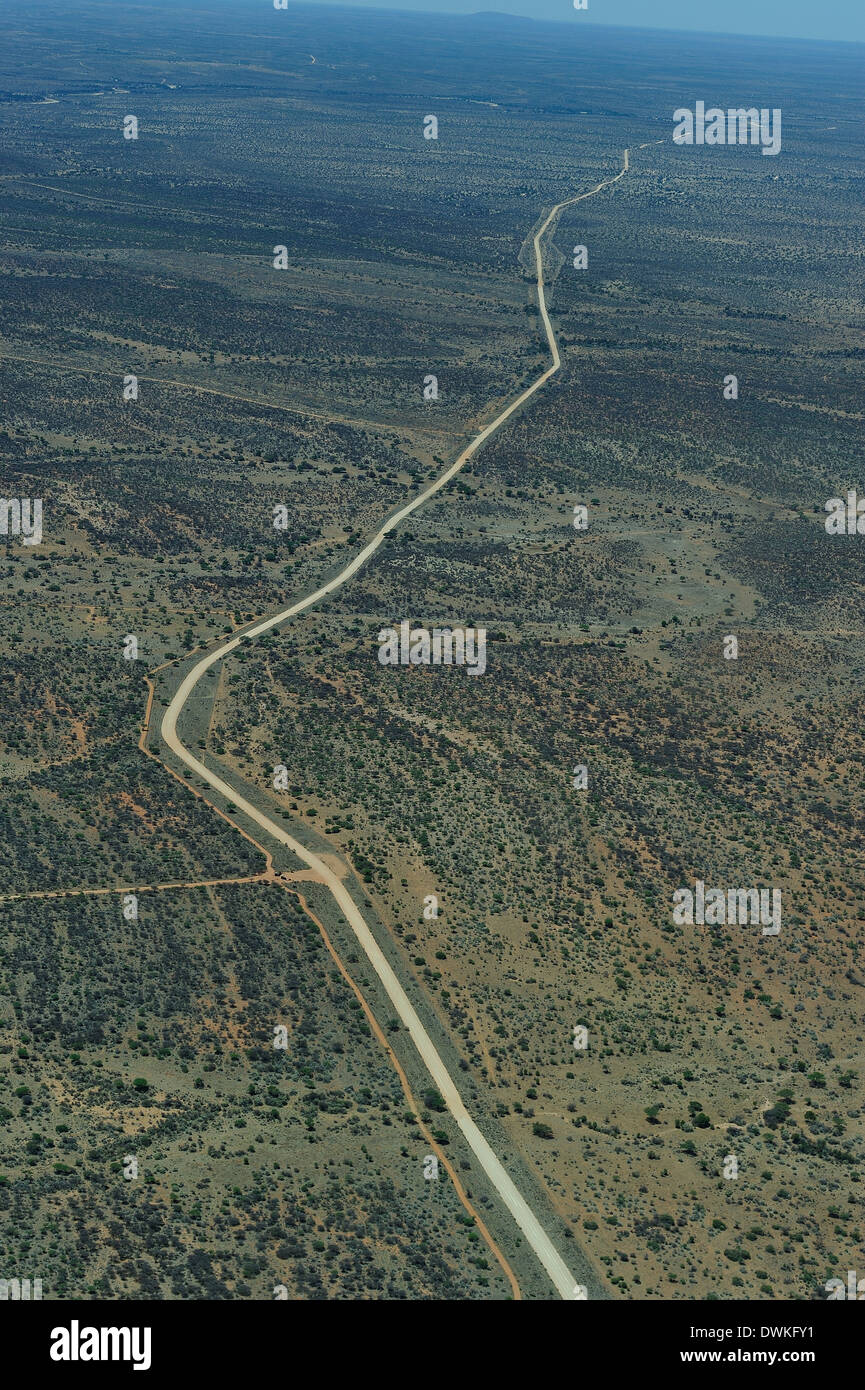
<point x="809" y="19"/>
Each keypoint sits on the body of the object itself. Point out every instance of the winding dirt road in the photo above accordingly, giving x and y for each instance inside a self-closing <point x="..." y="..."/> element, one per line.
<point x="532" y="1229"/>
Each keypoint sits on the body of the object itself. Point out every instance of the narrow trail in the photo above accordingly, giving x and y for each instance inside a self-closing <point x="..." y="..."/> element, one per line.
<point x="267" y="876"/>
<point x="528" y="1223"/>
<point x="353" y="420"/>
<point x="442" y="1157"/>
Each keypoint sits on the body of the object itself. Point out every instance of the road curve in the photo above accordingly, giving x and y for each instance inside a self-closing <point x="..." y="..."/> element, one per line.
<point x="537" y="1237"/>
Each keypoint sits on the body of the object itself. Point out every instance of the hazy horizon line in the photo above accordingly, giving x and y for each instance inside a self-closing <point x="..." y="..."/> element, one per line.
<point x="379" y="8"/>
